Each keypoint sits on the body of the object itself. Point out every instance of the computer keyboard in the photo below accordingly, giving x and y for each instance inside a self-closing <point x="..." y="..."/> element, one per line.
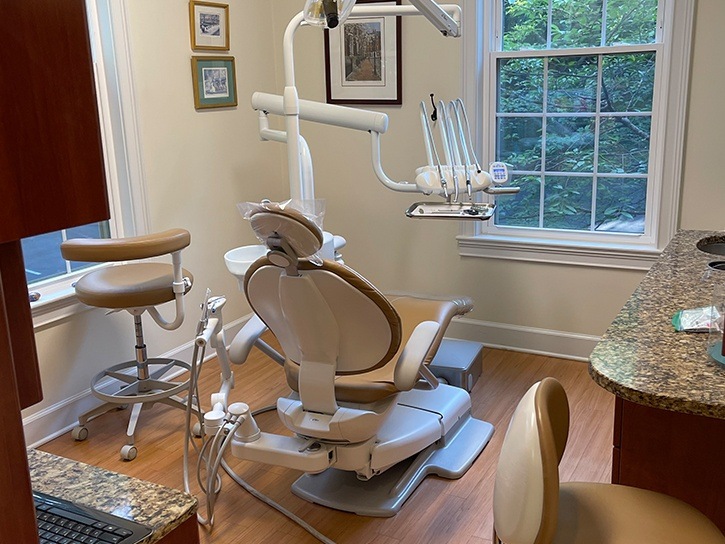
<point x="64" y="522"/>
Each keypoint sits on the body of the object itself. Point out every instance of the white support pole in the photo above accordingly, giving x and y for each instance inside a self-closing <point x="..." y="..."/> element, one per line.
<point x="302" y="187"/>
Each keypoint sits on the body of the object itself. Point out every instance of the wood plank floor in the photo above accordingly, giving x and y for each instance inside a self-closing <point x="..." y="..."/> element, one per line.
<point x="440" y="511"/>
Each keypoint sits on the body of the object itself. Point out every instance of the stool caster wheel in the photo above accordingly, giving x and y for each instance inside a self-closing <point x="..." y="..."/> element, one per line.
<point x="79" y="433"/>
<point x="128" y="452"/>
<point x="197" y="431"/>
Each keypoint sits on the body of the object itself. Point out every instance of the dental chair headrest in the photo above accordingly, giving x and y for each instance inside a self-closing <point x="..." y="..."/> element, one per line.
<point x="290" y="225"/>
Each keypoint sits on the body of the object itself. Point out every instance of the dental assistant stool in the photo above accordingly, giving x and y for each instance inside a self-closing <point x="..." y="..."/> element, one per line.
<point x="136" y="287"/>
<point x="530" y="506"/>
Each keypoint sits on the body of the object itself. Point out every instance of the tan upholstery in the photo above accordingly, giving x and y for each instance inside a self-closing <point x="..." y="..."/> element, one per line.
<point x="130" y="285"/>
<point x="616" y="514"/>
<point x="531" y="507"/>
<point x="377" y="383"/>
<point x="125" y="249"/>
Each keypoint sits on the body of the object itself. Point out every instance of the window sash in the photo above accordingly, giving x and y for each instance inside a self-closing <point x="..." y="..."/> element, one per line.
<point x="543" y="173"/>
<point x="674" y="34"/>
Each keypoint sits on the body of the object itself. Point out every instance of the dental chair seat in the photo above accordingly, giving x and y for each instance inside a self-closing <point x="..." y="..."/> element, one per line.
<point x="379" y="383"/>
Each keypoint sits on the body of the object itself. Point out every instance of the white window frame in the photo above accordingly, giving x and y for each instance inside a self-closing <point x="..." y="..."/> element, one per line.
<point x="109" y="36"/>
<point x="630" y="251"/>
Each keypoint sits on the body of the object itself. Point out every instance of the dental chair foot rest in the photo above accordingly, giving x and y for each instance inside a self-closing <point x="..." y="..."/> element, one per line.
<point x="383" y="495"/>
<point x="458" y="362"/>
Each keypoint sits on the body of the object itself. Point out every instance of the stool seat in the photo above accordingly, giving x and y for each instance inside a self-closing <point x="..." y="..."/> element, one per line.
<point x="130" y="285"/>
<point x="617" y="514"/>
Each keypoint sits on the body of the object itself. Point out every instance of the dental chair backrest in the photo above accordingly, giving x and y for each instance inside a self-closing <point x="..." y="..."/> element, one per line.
<point x="327" y="318"/>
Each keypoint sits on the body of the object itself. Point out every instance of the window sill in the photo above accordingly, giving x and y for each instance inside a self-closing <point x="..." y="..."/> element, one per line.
<point x="602" y="255"/>
<point x="55" y="307"/>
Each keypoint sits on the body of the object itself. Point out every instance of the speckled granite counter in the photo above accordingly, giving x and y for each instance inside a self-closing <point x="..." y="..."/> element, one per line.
<point x="158" y="507"/>
<point x="642" y="359"/>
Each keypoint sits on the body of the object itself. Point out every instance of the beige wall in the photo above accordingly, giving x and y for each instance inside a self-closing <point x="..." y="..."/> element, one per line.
<point x="703" y="195"/>
<point x="198" y="164"/>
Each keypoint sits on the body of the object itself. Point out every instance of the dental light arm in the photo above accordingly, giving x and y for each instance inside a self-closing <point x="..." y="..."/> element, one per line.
<point x="438" y="17"/>
<point x="374" y="122"/>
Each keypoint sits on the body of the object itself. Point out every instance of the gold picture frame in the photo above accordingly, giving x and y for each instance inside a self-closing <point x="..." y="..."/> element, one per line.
<point x="214" y="81"/>
<point x="209" y="25"/>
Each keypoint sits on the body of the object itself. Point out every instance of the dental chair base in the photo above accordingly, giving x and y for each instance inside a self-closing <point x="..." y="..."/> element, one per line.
<point x="384" y="495"/>
<point x="428" y="431"/>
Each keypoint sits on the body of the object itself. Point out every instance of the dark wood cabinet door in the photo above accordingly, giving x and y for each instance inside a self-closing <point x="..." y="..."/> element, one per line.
<point x="51" y="162"/>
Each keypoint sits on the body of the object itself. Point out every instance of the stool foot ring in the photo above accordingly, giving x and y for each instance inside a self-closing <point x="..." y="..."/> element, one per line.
<point x="134" y="389"/>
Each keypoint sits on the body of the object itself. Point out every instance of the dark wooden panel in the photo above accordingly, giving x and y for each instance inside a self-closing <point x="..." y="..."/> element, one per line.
<point x="17" y="515"/>
<point x="51" y="161"/>
<point x="20" y="324"/>
<point x="186" y="533"/>
<point x="674" y="453"/>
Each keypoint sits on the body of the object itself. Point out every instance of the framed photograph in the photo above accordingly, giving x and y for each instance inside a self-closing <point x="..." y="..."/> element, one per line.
<point x="209" y="26"/>
<point x="215" y="83"/>
<point x="363" y="60"/>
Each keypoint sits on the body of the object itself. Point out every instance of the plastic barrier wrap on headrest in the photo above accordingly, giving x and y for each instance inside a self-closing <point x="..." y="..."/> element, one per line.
<point x="312" y="210"/>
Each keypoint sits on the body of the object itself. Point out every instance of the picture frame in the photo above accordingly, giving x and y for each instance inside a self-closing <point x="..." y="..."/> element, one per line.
<point x="363" y="61"/>
<point x="209" y="25"/>
<point x="214" y="80"/>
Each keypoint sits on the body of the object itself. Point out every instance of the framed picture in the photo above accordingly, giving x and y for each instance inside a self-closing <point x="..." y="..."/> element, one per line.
<point x="363" y="60"/>
<point x="209" y="26"/>
<point x="215" y="83"/>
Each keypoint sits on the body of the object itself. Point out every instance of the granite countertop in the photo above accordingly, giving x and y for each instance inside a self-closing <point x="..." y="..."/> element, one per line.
<point x="642" y="359"/>
<point x="158" y="507"/>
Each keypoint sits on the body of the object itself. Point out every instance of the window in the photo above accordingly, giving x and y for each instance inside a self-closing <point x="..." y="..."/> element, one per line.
<point x="578" y="97"/>
<point x="42" y="256"/>
<point x="49" y="277"/>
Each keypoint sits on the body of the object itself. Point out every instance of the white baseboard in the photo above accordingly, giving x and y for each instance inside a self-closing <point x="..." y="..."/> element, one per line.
<point x="547" y="342"/>
<point x="60" y="418"/>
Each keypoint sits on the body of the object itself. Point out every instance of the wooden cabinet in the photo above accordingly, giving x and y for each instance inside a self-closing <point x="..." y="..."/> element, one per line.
<point x="51" y="177"/>
<point x="51" y="160"/>
<point x="678" y="454"/>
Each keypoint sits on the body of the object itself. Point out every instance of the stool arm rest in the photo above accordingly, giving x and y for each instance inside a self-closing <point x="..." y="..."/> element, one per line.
<point x="125" y="249"/>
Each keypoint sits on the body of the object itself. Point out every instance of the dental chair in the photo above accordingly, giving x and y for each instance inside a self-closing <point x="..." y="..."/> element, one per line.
<point x="369" y="420"/>
<point x="138" y="288"/>
<point x="530" y="506"/>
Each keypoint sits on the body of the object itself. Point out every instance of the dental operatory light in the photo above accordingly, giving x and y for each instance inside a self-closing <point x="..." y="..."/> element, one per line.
<point x="332" y="13"/>
<point x="327" y="13"/>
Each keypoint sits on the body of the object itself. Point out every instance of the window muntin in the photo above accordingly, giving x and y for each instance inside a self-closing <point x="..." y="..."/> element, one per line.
<point x="576" y="125"/>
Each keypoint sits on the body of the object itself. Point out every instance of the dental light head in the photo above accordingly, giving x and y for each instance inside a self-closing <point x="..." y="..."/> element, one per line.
<point x="332" y="13"/>
<point x="327" y="13"/>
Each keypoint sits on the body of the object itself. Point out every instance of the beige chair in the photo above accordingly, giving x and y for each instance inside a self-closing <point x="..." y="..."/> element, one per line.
<point x="531" y="507"/>
<point x="136" y="287"/>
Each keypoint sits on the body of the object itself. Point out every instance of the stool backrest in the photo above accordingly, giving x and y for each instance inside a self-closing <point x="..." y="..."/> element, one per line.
<point x="526" y="491"/>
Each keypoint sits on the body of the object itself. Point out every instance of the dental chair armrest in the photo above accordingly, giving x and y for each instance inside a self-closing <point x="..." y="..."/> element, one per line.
<point x="125" y="249"/>
<point x="411" y="359"/>
<point x="463" y="303"/>
<point x="244" y="340"/>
